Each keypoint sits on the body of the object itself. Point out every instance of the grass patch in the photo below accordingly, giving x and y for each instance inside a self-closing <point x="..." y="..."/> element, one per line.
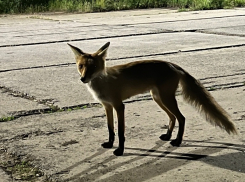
<point x="32" y="6"/>
<point x="8" y="118"/>
<point x="24" y="171"/>
<point x="17" y="168"/>
<point x="212" y="89"/>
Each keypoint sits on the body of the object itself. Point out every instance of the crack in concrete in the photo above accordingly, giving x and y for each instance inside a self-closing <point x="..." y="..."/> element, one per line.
<point x="37" y="67"/>
<point x="18" y="114"/>
<point x="91" y="38"/>
<point x="226" y="86"/>
<point x="220" y="33"/>
<point x="179" y="51"/>
<point x="223" y="76"/>
<point x="32" y="133"/>
<point x="192" y="19"/>
<point x="14" y="93"/>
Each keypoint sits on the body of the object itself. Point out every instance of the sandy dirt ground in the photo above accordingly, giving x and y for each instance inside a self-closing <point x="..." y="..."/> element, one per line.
<point x="56" y="127"/>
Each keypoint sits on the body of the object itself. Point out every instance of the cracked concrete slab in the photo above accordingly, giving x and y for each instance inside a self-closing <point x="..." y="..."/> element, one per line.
<point x="56" y="31"/>
<point x="140" y="16"/>
<point x="60" y="53"/>
<point x="65" y="90"/>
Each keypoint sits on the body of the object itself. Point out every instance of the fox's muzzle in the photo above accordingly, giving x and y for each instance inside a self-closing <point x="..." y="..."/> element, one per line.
<point x="83" y="79"/>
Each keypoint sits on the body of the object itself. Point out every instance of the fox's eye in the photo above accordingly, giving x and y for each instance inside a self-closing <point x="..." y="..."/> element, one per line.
<point x="80" y="66"/>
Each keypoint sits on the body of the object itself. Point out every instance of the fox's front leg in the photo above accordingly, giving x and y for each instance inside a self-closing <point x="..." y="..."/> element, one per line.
<point x="121" y="129"/>
<point x="110" y="124"/>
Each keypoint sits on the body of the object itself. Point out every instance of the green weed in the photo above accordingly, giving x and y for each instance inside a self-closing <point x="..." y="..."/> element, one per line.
<point x="22" y="171"/>
<point x="212" y="88"/>
<point x="8" y="118"/>
<point x="31" y="6"/>
<point x="69" y="109"/>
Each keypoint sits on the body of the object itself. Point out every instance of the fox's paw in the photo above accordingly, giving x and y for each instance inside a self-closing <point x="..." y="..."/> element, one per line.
<point x="107" y="145"/>
<point x="176" y="142"/>
<point x="118" y="152"/>
<point x="165" y="137"/>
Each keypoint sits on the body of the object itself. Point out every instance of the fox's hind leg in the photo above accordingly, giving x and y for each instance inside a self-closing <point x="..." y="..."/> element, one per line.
<point x="172" y="119"/>
<point x="166" y="92"/>
<point x="171" y="104"/>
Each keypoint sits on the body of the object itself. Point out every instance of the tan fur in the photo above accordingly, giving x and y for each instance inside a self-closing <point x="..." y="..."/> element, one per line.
<point x="112" y="85"/>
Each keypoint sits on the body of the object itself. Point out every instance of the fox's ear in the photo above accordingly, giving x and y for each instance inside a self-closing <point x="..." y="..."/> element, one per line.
<point x="77" y="51"/>
<point x="102" y="52"/>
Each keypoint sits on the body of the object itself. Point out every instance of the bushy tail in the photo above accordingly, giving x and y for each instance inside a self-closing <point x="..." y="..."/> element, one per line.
<point x="198" y="96"/>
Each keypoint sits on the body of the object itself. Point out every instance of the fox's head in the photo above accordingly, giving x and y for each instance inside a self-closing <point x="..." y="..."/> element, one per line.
<point x="90" y="65"/>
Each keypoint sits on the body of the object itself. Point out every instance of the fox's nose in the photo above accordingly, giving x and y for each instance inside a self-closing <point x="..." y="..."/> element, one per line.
<point x="82" y="79"/>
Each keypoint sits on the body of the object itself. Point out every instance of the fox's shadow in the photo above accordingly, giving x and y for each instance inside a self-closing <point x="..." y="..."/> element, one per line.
<point x="232" y="161"/>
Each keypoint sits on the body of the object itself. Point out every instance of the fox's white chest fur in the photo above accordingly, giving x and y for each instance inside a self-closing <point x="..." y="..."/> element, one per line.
<point x="98" y="90"/>
<point x="93" y="92"/>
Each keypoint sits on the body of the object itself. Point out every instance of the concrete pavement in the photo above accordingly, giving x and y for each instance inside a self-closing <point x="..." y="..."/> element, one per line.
<point x="37" y="70"/>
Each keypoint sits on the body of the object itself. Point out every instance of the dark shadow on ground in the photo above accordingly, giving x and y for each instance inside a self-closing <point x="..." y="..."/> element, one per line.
<point x="163" y="161"/>
<point x="234" y="161"/>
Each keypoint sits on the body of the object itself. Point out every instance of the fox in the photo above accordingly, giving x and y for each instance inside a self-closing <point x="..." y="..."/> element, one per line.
<point x="112" y="85"/>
